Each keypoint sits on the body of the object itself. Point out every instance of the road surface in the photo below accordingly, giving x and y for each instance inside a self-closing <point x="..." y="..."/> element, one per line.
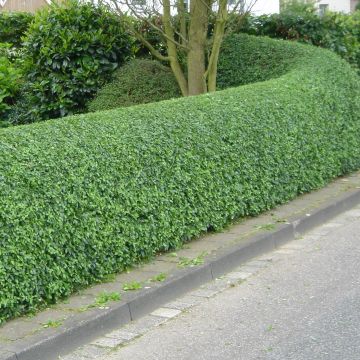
<point x="304" y="303"/>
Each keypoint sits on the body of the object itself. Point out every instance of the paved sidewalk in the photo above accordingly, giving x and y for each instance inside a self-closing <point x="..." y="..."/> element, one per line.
<point x="299" y="302"/>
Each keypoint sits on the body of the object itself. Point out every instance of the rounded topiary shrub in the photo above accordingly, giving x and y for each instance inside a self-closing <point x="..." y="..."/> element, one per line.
<point x="71" y="50"/>
<point x="139" y="81"/>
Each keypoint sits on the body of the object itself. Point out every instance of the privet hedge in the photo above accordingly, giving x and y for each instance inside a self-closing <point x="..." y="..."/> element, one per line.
<point x="248" y="61"/>
<point x="94" y="193"/>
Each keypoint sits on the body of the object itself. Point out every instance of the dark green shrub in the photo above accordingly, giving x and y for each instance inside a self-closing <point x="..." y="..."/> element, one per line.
<point x="337" y="32"/>
<point x="137" y="82"/>
<point x="9" y="87"/>
<point x="70" y="51"/>
<point x="92" y="194"/>
<point x="13" y="26"/>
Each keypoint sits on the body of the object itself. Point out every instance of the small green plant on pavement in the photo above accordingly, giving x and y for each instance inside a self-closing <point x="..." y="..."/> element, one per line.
<point x="161" y="277"/>
<point x="134" y="285"/>
<point x="52" y="323"/>
<point x="199" y="260"/>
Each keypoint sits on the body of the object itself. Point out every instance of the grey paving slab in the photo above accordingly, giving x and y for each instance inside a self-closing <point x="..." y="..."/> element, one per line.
<point x="108" y="342"/>
<point x="144" y="324"/>
<point x="122" y="335"/>
<point x="238" y="275"/>
<point x="184" y="302"/>
<point x="6" y="355"/>
<point x="91" y="352"/>
<point x="166" y="312"/>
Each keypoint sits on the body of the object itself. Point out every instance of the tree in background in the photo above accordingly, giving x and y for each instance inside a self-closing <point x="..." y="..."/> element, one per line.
<point x="191" y="50"/>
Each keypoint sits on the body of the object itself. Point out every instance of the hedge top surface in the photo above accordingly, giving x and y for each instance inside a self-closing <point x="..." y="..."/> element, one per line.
<point x="92" y="194"/>
<point x="248" y="61"/>
<point x="140" y="81"/>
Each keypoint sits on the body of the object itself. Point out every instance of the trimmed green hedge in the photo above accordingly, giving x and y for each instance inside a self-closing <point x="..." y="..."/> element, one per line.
<point x="248" y="61"/>
<point x="94" y="193"/>
<point x="140" y="81"/>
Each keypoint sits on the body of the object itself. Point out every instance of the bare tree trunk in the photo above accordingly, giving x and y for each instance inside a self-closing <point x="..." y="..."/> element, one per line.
<point x="217" y="40"/>
<point x="182" y="21"/>
<point x="173" y="51"/>
<point x="199" y="17"/>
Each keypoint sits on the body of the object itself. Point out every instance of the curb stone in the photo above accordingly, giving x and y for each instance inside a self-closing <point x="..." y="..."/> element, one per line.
<point x="87" y="327"/>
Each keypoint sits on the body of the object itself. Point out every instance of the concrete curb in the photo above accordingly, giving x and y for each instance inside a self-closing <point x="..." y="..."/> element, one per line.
<point x="87" y="327"/>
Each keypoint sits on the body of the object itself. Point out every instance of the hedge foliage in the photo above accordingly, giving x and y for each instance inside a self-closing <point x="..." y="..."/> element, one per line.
<point x="13" y="26"/>
<point x="70" y="50"/>
<point x="94" y="193"/>
<point x="140" y="81"/>
<point x="250" y="61"/>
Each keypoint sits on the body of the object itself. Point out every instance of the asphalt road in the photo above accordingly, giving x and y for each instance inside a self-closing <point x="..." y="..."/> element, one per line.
<point x="304" y="305"/>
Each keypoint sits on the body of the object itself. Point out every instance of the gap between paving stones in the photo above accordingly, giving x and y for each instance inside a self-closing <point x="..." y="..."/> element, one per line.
<point x="79" y="323"/>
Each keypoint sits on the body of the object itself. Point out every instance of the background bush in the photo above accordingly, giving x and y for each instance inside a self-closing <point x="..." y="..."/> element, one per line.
<point x="70" y="50"/>
<point x="13" y="26"/>
<point x="337" y="32"/>
<point x="139" y="81"/>
<point x="9" y="86"/>
<point x="94" y="193"/>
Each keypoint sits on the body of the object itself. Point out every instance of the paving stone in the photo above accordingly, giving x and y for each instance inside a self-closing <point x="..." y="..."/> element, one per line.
<point x="321" y="231"/>
<point x="250" y="269"/>
<point x="204" y="293"/>
<point x="284" y="251"/>
<point x="266" y="257"/>
<point x="353" y="213"/>
<point x="238" y="275"/>
<point x="332" y="225"/>
<point x="166" y="312"/>
<point x="109" y="342"/>
<point x="88" y="352"/>
<point x="91" y="351"/>
<point x="73" y="356"/>
<point x="218" y="285"/>
<point x="4" y="354"/>
<point x="142" y="325"/>
<point x="257" y="263"/>
<point x="178" y="305"/>
<point x="293" y="246"/>
<point x="121" y="335"/>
